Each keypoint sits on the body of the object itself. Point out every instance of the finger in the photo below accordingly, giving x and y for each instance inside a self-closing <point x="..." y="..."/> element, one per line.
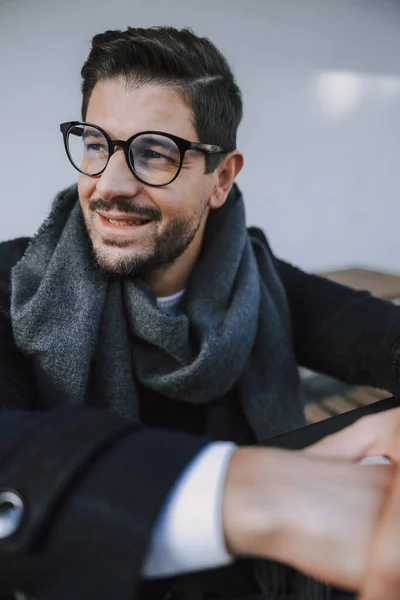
<point x="382" y="580"/>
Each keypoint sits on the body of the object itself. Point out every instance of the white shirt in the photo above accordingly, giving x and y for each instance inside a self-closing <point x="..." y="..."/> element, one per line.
<point x="188" y="535"/>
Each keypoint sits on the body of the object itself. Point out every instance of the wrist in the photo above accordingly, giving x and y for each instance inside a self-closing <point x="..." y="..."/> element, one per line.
<point x="252" y="515"/>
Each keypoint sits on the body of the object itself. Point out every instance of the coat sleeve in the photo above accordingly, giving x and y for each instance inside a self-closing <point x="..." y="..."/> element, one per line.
<point x="347" y="334"/>
<point x="17" y="387"/>
<point x="89" y="486"/>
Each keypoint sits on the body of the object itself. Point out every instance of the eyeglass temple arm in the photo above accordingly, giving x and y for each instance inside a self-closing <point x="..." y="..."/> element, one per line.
<point x="208" y="148"/>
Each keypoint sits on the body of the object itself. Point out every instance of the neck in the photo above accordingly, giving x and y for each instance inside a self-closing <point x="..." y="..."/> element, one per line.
<point x="173" y="278"/>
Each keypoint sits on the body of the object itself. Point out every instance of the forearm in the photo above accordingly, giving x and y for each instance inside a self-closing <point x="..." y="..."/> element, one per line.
<point x="251" y="483"/>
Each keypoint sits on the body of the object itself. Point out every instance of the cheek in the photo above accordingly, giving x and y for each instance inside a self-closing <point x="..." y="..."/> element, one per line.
<point x="167" y="200"/>
<point x="185" y="198"/>
<point x="178" y="208"/>
<point x="86" y="188"/>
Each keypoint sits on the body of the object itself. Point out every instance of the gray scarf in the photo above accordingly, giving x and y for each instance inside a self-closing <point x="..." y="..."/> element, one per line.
<point x="91" y="337"/>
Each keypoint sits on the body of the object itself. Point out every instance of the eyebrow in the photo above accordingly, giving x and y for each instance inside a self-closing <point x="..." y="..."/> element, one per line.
<point x="164" y="143"/>
<point x="91" y="133"/>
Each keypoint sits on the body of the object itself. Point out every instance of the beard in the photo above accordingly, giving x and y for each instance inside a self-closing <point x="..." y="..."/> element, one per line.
<point x="167" y="247"/>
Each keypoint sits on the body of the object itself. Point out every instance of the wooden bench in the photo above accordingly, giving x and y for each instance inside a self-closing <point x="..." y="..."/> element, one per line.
<point x="329" y="406"/>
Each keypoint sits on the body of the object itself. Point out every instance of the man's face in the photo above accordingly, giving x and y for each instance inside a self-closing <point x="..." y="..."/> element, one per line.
<point x="168" y="219"/>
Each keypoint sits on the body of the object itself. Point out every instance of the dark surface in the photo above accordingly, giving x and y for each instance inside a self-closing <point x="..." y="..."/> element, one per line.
<point x="341" y="595"/>
<point x="301" y="438"/>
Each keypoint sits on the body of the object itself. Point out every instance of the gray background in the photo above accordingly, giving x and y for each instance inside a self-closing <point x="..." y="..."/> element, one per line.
<point x="320" y="135"/>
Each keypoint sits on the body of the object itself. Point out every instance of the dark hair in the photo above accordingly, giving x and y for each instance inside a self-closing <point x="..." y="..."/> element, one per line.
<point x="191" y="65"/>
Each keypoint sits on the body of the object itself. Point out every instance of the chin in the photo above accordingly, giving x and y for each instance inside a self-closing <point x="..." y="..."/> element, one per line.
<point x="118" y="261"/>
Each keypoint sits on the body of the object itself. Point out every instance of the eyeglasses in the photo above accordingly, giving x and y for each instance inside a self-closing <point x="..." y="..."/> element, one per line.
<point x="154" y="158"/>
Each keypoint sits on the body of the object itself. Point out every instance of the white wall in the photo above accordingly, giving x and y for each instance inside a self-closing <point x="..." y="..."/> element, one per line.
<point x="321" y="132"/>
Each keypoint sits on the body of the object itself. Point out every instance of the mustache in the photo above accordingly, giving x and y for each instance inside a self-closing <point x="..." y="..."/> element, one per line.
<point x="127" y="207"/>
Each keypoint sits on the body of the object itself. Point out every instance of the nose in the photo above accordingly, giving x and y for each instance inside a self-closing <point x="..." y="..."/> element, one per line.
<point x="117" y="179"/>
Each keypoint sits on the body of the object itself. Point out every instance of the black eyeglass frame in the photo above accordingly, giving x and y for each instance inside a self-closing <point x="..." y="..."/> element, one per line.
<point x="182" y="144"/>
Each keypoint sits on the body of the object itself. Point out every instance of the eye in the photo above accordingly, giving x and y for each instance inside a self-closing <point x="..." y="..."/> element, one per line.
<point x="154" y="152"/>
<point x="149" y="154"/>
<point x="95" y="147"/>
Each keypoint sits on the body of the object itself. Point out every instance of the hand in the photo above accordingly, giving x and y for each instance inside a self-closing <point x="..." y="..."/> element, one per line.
<point x="382" y="574"/>
<point x="314" y="514"/>
<point x="373" y="435"/>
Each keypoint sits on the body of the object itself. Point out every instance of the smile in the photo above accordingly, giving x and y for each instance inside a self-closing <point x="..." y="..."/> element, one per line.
<point x="120" y="223"/>
<point x="125" y="223"/>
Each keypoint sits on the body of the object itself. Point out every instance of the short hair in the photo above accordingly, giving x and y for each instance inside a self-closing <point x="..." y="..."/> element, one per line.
<point x="189" y="64"/>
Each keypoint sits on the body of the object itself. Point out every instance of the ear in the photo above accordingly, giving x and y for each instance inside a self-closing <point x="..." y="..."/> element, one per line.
<point x="225" y="174"/>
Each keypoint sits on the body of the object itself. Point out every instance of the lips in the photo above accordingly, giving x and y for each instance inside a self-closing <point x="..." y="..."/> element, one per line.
<point x="120" y="223"/>
<point x="122" y="218"/>
<point x="127" y="222"/>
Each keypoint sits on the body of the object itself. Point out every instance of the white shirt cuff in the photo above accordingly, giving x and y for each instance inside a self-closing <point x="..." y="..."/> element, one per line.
<point x="188" y="535"/>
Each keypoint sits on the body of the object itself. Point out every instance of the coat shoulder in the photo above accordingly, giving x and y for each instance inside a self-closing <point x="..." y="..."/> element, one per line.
<point x="258" y="234"/>
<point x="11" y="252"/>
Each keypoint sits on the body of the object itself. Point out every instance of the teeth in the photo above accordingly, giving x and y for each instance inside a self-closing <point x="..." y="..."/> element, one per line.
<point x="125" y="223"/>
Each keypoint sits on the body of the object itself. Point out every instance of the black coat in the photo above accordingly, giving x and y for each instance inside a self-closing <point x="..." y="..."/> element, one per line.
<point x="93" y="484"/>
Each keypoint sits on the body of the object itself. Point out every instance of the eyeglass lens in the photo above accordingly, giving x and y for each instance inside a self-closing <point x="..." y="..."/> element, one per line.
<point x="154" y="158"/>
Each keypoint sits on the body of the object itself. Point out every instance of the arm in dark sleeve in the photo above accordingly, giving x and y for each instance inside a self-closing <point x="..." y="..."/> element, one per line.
<point x="92" y="485"/>
<point x="344" y="333"/>
<point x="17" y="389"/>
<point x="348" y="334"/>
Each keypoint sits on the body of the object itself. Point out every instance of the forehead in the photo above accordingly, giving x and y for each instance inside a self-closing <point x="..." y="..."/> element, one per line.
<point x="123" y="110"/>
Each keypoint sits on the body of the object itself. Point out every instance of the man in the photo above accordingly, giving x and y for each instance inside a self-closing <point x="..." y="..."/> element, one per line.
<point x="146" y="334"/>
